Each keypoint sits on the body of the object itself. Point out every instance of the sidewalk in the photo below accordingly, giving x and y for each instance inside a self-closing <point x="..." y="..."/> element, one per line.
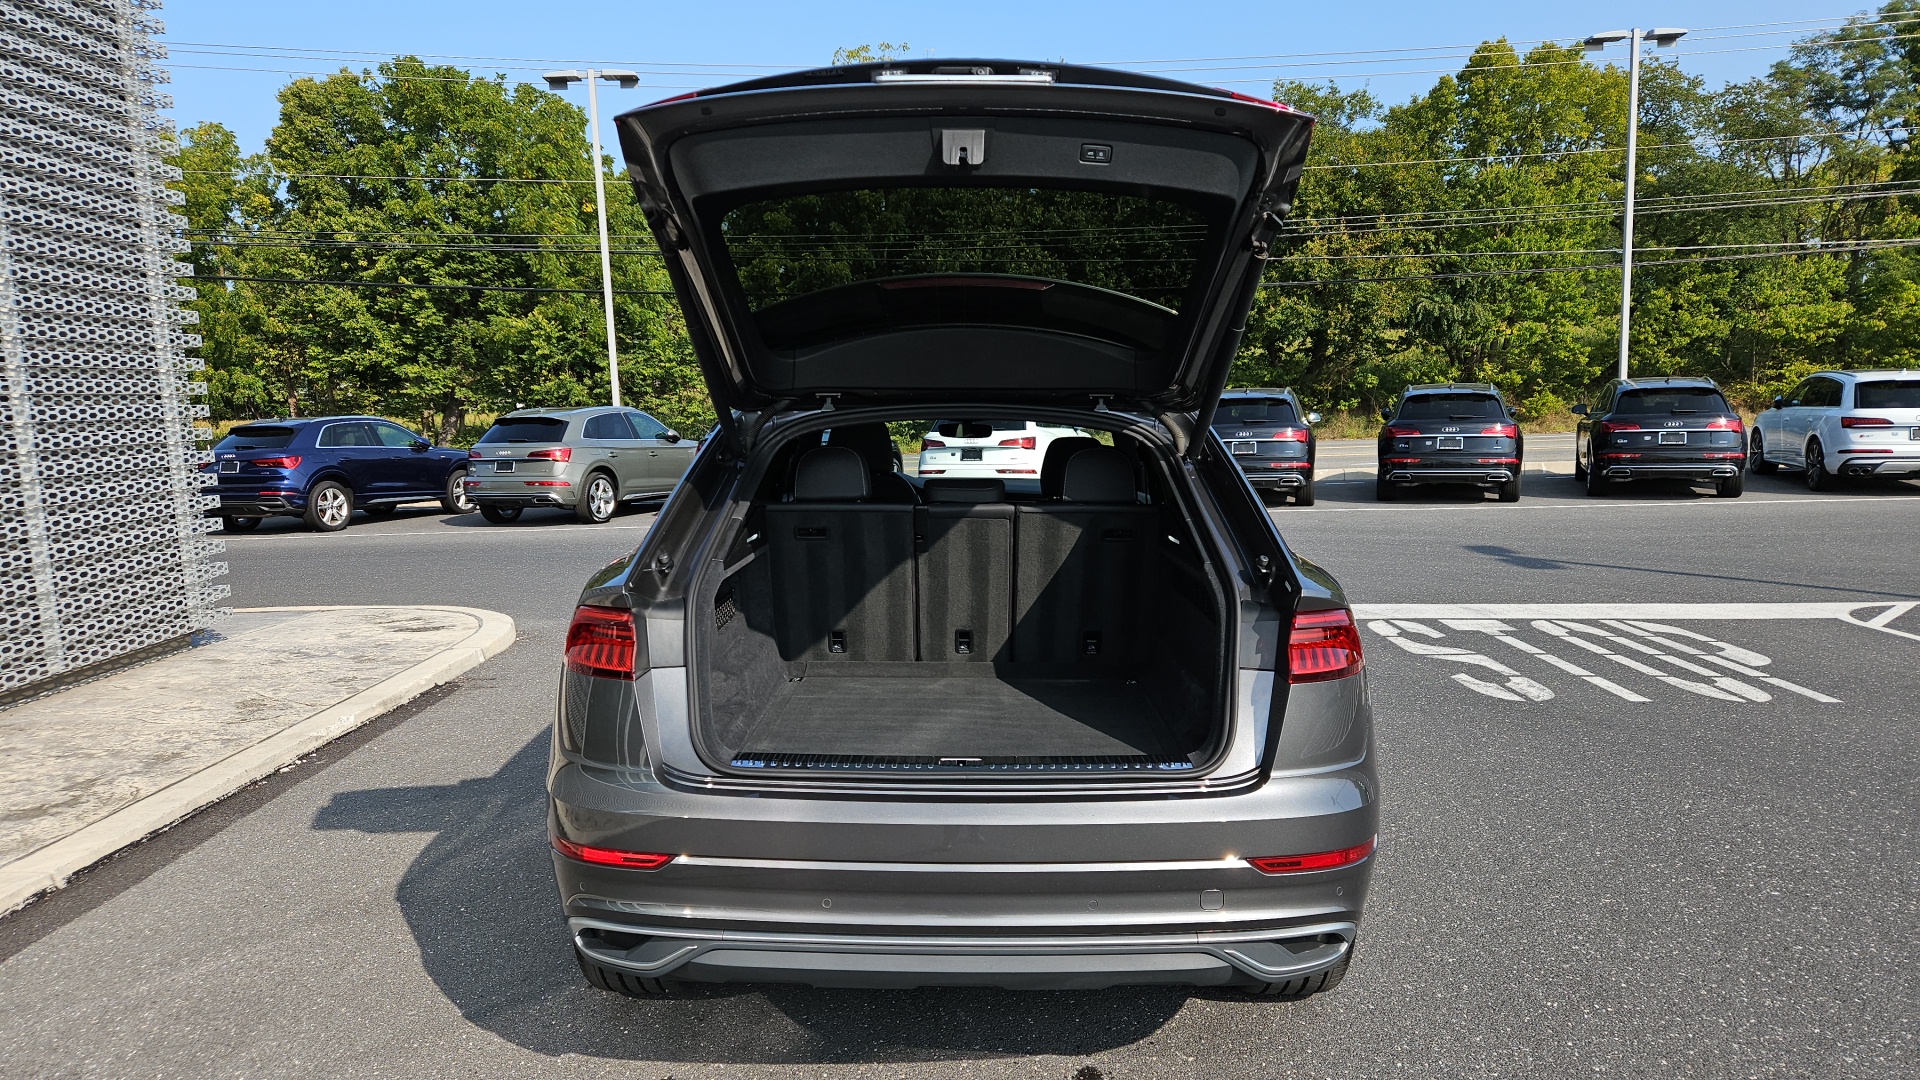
<point x="91" y="769"/>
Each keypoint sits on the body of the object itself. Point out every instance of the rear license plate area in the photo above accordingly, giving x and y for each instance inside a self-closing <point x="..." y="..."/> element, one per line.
<point x="229" y="466"/>
<point x="1673" y="438"/>
<point x="1244" y="447"/>
<point x="502" y="466"/>
<point x="1449" y="442"/>
<point x="970" y="455"/>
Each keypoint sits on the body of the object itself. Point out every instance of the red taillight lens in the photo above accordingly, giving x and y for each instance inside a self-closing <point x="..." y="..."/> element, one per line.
<point x="1024" y="444"/>
<point x="1609" y="427"/>
<point x="599" y="856"/>
<point x="1292" y="434"/>
<point x="932" y="444"/>
<point x="473" y="455"/>
<point x="1402" y="432"/>
<point x="288" y="461"/>
<point x="1324" y="645"/>
<point x="1725" y="423"/>
<point x="1251" y="100"/>
<point x="1504" y="431"/>
<point x="1319" y="860"/>
<point x="601" y="642"/>
<point x="558" y="453"/>
<point x="1865" y="421"/>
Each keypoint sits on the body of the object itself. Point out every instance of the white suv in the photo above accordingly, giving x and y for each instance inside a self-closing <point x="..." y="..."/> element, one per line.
<point x="997" y="449"/>
<point x="1842" y="423"/>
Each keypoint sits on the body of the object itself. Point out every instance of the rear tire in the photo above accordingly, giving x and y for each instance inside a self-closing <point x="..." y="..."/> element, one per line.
<point x="1597" y="485"/>
<point x="598" y="500"/>
<point x="1757" y="456"/>
<point x="1383" y="491"/>
<point x="1303" y="496"/>
<point x="1731" y="487"/>
<point x="619" y="982"/>
<point x="1306" y="985"/>
<point x="1579" y="470"/>
<point x="329" y="507"/>
<point x="500" y="515"/>
<point x="241" y="524"/>
<point x="1510" y="491"/>
<point x="1817" y="477"/>
<point x="455" y="500"/>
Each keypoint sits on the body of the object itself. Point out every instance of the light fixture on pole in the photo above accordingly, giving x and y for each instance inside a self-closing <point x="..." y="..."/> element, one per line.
<point x="1662" y="36"/>
<point x="560" y="80"/>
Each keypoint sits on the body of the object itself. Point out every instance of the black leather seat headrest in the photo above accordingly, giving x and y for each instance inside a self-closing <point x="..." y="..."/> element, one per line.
<point x="1053" y="469"/>
<point x="870" y="441"/>
<point x="1099" y="475"/>
<point x="959" y="490"/>
<point x="831" y="474"/>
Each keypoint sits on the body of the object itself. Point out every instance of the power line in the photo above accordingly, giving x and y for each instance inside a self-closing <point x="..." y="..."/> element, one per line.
<point x="419" y="285"/>
<point x="1716" y="140"/>
<point x="1637" y="263"/>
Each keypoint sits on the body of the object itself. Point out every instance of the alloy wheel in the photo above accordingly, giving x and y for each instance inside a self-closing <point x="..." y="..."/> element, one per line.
<point x="600" y="498"/>
<point x="334" y="506"/>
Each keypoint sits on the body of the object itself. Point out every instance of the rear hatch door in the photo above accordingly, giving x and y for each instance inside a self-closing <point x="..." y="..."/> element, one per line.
<point x="1673" y="425"/>
<point x="936" y="231"/>
<point x="1261" y="432"/>
<point x="1451" y="429"/>
<point x="517" y="450"/>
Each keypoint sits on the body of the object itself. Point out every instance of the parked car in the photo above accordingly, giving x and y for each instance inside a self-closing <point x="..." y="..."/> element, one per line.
<point x="324" y="468"/>
<point x="1111" y="733"/>
<point x="1842" y="423"/>
<point x="990" y="448"/>
<point x="1450" y="433"/>
<point x="1271" y="439"/>
<point x="585" y="460"/>
<point x="1668" y="428"/>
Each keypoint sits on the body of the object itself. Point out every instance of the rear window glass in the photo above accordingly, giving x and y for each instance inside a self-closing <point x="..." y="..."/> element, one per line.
<point x="799" y="244"/>
<point x="1887" y="394"/>
<point x="257" y="437"/>
<point x="526" y="429"/>
<point x="1270" y="411"/>
<point x="1658" y="402"/>
<point x="1450" y="407"/>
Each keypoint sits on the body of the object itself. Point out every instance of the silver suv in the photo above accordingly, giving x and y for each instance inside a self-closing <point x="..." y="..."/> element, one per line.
<point x="586" y="460"/>
<point x="838" y="726"/>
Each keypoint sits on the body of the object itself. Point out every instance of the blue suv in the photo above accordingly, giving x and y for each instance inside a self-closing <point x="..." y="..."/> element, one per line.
<point x="323" y="469"/>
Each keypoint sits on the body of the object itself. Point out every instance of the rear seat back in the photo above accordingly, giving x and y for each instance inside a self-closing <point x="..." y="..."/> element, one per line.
<point x="843" y="579"/>
<point x="1079" y="563"/>
<point x="965" y="571"/>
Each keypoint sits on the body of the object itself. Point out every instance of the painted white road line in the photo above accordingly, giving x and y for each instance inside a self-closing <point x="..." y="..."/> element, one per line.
<point x="1503" y="633"/>
<point x="1734" y="658"/>
<point x="1515" y="687"/>
<point x="1663" y="612"/>
<point x="1887" y="616"/>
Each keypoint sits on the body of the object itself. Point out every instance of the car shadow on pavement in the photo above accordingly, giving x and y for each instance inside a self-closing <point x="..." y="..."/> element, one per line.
<point x="481" y="904"/>
<point x="1521" y="560"/>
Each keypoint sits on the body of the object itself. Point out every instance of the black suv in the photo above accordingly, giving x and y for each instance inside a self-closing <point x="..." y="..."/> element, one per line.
<point x="1661" y="429"/>
<point x="1450" y="433"/>
<point x="1267" y="432"/>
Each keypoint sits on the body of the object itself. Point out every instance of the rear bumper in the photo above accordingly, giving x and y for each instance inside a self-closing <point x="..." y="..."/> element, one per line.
<point x="1689" y="470"/>
<point x="1052" y="963"/>
<point x="254" y="505"/>
<point x="1449" y="474"/>
<point x="1276" y="474"/>
<point x="1874" y="465"/>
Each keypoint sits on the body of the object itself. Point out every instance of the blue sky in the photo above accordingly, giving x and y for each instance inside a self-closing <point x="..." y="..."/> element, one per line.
<point x="688" y="45"/>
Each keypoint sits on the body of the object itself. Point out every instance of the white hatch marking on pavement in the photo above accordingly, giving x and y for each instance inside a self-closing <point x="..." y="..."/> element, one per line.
<point x="1641" y="638"/>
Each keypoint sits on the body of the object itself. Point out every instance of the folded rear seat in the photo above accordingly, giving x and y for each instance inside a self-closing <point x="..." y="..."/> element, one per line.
<point x="965" y="571"/>
<point x="842" y="565"/>
<point x="1078" y="566"/>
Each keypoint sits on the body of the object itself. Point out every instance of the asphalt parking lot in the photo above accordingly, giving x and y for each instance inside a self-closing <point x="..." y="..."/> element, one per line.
<point x="1706" y="863"/>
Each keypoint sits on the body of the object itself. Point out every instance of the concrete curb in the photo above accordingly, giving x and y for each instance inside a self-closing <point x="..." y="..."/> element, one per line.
<point x="50" y="867"/>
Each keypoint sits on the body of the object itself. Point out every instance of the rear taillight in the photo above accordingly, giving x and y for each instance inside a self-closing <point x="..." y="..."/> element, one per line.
<point x="1608" y="427"/>
<point x="473" y="455"/>
<point x="599" y="856"/>
<point x="1504" y="431"/>
<point x="1319" y="860"/>
<point x="286" y="461"/>
<point x="1865" y="421"/>
<point x="932" y="444"/>
<point x="601" y="642"/>
<point x="1292" y="434"/>
<point x="1402" y="432"/>
<point x="1324" y="645"/>
<point x="558" y="453"/>
<point x="1725" y="423"/>
<point x="1023" y="444"/>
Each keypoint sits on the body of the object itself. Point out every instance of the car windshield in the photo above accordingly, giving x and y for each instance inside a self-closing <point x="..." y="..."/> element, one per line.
<point x="1677" y="401"/>
<point x="1887" y="394"/>
<point x="795" y="245"/>
<point x="1267" y="411"/>
<point x="257" y="437"/>
<point x="526" y="429"/>
<point x="975" y="429"/>
<point x="1450" y="407"/>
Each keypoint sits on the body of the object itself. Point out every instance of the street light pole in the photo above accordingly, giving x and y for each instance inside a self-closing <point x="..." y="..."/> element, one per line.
<point x="560" y="80"/>
<point x="1663" y="37"/>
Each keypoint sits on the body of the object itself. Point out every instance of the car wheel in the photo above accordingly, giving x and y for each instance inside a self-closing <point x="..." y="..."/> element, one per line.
<point x="1510" y="491"/>
<point x="597" y="500"/>
<point x="381" y="509"/>
<point x="1384" y="491"/>
<point x="1817" y="477"/>
<point x="1597" y="485"/>
<point x="1730" y="487"/>
<point x="1303" y="495"/>
<point x="500" y="515"/>
<point x="1757" y="456"/>
<point x="619" y="982"/>
<point x="329" y="507"/>
<point x="455" y="499"/>
<point x="1579" y="470"/>
<point x="241" y="524"/>
<point x="1306" y="985"/>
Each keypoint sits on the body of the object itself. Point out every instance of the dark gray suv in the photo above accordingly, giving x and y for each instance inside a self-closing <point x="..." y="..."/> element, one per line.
<point x="835" y="725"/>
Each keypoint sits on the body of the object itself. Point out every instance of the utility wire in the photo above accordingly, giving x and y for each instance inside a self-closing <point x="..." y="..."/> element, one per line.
<point x="419" y="285"/>
<point x="1637" y="264"/>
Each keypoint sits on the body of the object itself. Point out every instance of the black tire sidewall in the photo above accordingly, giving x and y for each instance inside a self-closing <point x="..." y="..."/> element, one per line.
<point x="584" y="508"/>
<point x="500" y="515"/>
<point x="313" y="519"/>
<point x="455" y="491"/>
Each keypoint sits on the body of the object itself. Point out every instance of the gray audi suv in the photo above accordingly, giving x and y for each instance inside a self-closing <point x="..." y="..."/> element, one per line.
<point x="835" y="725"/>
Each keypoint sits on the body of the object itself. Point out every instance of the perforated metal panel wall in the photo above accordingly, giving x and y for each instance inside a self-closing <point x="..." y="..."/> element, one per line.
<point x="103" y="544"/>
